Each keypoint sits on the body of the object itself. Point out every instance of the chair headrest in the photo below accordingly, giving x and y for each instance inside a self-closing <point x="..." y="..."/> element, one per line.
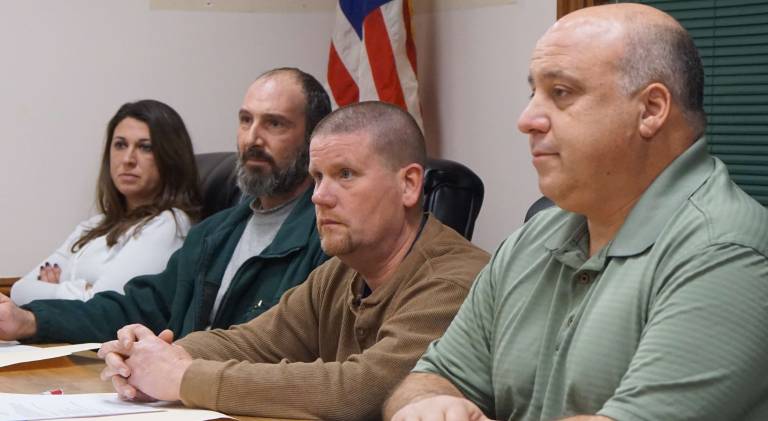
<point x="538" y="206"/>
<point x="454" y="194"/>
<point x="218" y="181"/>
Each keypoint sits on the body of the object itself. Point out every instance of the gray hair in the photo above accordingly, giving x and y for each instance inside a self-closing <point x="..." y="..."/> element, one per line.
<point x="665" y="54"/>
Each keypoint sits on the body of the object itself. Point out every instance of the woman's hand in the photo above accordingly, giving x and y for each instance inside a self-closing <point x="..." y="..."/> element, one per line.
<point x="50" y="273"/>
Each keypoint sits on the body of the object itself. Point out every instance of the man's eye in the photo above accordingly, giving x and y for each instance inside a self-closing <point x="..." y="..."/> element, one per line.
<point x="274" y="123"/>
<point x="533" y="92"/>
<point x="559" y="92"/>
<point x="345" y="173"/>
<point x="244" y="119"/>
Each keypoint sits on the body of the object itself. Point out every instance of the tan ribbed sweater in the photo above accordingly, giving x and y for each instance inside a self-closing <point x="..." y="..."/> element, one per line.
<point x="321" y="352"/>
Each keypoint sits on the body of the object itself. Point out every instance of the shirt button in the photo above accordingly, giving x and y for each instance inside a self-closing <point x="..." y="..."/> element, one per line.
<point x="584" y="278"/>
<point x="570" y="320"/>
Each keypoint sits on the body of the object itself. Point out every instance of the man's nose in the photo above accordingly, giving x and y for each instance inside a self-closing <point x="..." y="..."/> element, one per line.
<point x="533" y="119"/>
<point x="322" y="195"/>
<point x="253" y="136"/>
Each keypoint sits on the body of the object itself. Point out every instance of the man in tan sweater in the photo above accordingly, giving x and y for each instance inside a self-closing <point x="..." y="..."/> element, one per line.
<point x="334" y="346"/>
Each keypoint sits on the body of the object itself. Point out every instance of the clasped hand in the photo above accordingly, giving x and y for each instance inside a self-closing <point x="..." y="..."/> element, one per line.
<point x="144" y="366"/>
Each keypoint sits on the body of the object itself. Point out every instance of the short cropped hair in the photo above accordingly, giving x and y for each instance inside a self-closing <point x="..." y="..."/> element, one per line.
<point x="666" y="54"/>
<point x="393" y="132"/>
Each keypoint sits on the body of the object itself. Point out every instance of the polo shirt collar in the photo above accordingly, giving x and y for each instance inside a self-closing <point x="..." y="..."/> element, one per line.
<point x="568" y="239"/>
<point x="662" y="199"/>
<point x="651" y="213"/>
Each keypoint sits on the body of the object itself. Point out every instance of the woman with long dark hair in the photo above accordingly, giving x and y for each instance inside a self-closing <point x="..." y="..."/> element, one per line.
<point x="147" y="195"/>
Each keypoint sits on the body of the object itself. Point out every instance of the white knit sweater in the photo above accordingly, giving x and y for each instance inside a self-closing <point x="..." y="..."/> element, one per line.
<point x="96" y="267"/>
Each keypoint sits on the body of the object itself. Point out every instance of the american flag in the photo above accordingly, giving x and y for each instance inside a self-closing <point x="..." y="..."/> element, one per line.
<point x="372" y="55"/>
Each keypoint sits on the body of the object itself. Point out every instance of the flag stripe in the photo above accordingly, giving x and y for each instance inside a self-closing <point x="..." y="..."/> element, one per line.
<point x="382" y="59"/>
<point x="343" y="87"/>
<point x="396" y="28"/>
<point x="364" y="78"/>
<point x="346" y="43"/>
<point x="373" y="55"/>
<point x="410" y="45"/>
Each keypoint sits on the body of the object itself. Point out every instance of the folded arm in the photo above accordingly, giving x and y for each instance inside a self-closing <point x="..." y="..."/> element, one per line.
<point x="147" y="300"/>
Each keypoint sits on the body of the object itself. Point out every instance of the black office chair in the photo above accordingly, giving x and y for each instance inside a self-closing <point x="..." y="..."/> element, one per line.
<point x="538" y="206"/>
<point x="452" y="192"/>
<point x="218" y="184"/>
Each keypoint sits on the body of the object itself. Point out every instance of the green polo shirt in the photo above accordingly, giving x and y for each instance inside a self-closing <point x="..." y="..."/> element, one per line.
<point x="669" y="321"/>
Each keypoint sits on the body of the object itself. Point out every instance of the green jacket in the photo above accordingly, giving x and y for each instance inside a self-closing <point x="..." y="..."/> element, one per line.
<point x="181" y="297"/>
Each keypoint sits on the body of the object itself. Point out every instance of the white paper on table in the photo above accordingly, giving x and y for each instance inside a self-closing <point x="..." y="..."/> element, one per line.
<point x="15" y="354"/>
<point x="95" y="407"/>
<point x="6" y="346"/>
<point x="171" y="412"/>
<point x="24" y="407"/>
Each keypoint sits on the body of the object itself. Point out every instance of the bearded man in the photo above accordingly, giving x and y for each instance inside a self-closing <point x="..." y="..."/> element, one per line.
<point x="234" y="265"/>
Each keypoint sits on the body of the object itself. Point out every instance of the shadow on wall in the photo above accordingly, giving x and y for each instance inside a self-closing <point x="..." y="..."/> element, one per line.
<point x="427" y="52"/>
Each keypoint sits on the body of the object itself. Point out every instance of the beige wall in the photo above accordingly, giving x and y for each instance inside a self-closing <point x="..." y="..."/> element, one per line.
<point x="473" y="73"/>
<point x="69" y="64"/>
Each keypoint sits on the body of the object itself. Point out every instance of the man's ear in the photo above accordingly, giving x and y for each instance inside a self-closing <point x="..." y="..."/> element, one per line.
<point x="411" y="181"/>
<point x="656" y="102"/>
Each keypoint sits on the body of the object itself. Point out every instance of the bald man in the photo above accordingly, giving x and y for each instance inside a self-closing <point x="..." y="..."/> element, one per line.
<point x="644" y="294"/>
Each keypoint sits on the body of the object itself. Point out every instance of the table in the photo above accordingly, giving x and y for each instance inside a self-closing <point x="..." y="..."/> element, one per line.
<point x="6" y="284"/>
<point x="77" y="373"/>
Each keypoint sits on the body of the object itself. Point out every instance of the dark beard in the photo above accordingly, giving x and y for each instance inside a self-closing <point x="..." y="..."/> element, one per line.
<point x="276" y="181"/>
